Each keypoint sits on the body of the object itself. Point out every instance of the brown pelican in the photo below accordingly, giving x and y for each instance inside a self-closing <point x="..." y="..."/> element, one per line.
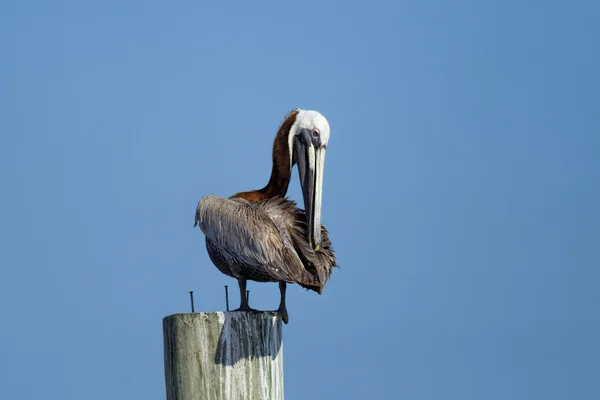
<point x="261" y="236"/>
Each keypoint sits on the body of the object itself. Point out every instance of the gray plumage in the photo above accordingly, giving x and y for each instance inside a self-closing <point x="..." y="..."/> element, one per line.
<point x="264" y="242"/>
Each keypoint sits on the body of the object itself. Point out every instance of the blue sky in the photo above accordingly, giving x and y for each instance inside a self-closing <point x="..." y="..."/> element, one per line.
<point x="461" y="190"/>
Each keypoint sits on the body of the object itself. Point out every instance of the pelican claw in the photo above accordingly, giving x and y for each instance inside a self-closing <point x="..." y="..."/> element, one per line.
<point x="282" y="312"/>
<point x="246" y="309"/>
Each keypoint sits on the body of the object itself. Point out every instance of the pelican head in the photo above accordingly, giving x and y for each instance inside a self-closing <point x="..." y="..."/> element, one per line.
<point x="309" y="136"/>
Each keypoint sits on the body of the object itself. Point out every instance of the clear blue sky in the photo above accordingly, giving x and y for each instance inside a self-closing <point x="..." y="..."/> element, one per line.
<point x="462" y="190"/>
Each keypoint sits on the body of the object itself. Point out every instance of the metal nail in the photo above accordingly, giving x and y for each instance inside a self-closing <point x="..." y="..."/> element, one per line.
<point x="192" y="299"/>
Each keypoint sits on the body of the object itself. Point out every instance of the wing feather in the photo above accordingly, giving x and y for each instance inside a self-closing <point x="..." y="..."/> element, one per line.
<point x="251" y="236"/>
<point x="317" y="265"/>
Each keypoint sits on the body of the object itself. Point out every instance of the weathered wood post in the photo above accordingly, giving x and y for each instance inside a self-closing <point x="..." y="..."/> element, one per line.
<point x="223" y="355"/>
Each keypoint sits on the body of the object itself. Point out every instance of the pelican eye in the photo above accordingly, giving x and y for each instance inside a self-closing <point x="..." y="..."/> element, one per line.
<point x="316" y="133"/>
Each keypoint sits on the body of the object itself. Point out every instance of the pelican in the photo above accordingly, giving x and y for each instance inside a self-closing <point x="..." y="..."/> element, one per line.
<point x="260" y="235"/>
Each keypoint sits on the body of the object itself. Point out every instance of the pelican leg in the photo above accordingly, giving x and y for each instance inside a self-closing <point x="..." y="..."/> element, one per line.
<point x="243" y="296"/>
<point x="282" y="309"/>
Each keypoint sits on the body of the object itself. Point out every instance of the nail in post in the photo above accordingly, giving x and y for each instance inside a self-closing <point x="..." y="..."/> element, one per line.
<point x="192" y="299"/>
<point x="226" y="297"/>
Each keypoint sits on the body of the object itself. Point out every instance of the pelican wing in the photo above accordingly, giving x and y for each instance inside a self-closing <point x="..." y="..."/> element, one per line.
<point x="252" y="236"/>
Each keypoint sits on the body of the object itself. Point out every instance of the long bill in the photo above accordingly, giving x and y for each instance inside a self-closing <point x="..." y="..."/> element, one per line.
<point x="311" y="161"/>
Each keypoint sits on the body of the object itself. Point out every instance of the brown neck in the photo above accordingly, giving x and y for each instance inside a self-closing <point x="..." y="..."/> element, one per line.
<point x="282" y="166"/>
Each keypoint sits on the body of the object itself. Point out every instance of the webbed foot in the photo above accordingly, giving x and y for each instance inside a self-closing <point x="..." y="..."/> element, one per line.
<point x="246" y="308"/>
<point x="284" y="314"/>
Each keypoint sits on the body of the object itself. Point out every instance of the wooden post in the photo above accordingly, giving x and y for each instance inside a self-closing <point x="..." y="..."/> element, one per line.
<point x="223" y="355"/>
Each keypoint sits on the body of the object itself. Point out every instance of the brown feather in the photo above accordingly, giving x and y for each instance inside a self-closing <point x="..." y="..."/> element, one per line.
<point x="281" y="172"/>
